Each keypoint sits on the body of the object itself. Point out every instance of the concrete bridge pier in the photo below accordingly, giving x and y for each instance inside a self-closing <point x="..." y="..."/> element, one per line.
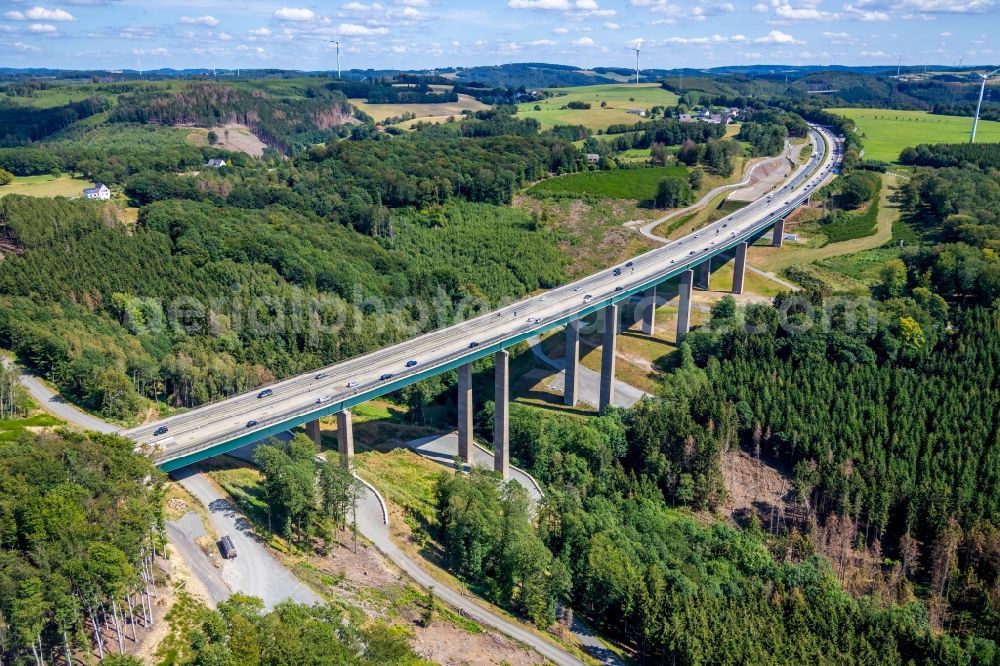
<point x="465" y="408"/>
<point x="779" y="233"/>
<point x="572" y="362"/>
<point x="684" y="308"/>
<point x="501" y="414"/>
<point x="312" y="429"/>
<point x="704" y="274"/>
<point x="740" y="268"/>
<point x="649" y="312"/>
<point x="608" y="357"/>
<point x="345" y="437"/>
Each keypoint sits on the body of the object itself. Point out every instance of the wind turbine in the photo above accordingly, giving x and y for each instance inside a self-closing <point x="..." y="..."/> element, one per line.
<point x="334" y="41"/>
<point x="638" y="44"/>
<point x="899" y="64"/>
<point x="979" y="105"/>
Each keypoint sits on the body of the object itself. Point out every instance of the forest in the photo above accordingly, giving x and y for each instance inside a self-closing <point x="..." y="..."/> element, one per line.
<point x="282" y="124"/>
<point x="81" y="523"/>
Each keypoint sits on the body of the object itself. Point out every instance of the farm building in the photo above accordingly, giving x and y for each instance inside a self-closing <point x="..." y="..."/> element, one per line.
<point x="216" y="163"/>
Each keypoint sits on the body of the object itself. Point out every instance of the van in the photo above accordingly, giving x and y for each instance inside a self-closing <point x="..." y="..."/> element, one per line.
<point x="227" y="548"/>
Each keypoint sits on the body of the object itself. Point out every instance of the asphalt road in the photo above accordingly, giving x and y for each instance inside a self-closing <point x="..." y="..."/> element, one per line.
<point x="54" y="403"/>
<point x="370" y="524"/>
<point x="226" y="420"/>
<point x="254" y="570"/>
<point x="444" y="449"/>
<point x="588" y="388"/>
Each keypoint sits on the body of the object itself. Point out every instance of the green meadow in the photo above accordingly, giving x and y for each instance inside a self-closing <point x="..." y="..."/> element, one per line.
<point x="885" y="132"/>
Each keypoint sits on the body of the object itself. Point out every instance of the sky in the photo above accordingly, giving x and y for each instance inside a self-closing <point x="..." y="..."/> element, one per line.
<point x="416" y="34"/>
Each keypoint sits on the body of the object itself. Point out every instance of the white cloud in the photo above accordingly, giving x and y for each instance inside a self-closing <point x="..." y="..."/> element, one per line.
<point x="929" y="6"/>
<point x="773" y="37"/>
<point x="294" y="14"/>
<point x="583" y="41"/>
<point x="560" y="5"/>
<point x="786" y="12"/>
<point x="361" y="7"/>
<point x="777" y="37"/>
<point x="945" y="34"/>
<point x="355" y="30"/>
<point x="14" y="16"/>
<point x="760" y="8"/>
<point x="43" y="14"/>
<point x="200" y="20"/>
<point x="42" y="28"/>
<point x="560" y="30"/>
<point x="260" y="32"/>
<point x="224" y="36"/>
<point x="874" y="54"/>
<point x="586" y="4"/>
<point x="542" y="42"/>
<point x="21" y="46"/>
<point x="612" y="26"/>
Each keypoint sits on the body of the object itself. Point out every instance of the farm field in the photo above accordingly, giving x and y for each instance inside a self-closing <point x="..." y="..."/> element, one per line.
<point x="636" y="184"/>
<point x="382" y="111"/>
<point x="886" y="132"/>
<point x="620" y="99"/>
<point x="46" y="186"/>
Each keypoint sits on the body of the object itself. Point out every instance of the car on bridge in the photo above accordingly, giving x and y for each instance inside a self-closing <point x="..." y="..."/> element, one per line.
<point x="323" y="398"/>
<point x="351" y="384"/>
<point x="411" y="363"/>
<point x="265" y="393"/>
<point x="252" y="423"/>
<point x="473" y="344"/>
<point x="386" y="376"/>
<point x="162" y="430"/>
<point x="322" y="375"/>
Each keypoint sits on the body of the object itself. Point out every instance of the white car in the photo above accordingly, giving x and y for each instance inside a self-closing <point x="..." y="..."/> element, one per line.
<point x="323" y="398"/>
<point x="351" y="384"/>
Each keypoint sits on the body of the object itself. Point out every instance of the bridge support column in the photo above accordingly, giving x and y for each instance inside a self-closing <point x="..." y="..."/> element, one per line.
<point x="779" y="233"/>
<point x="649" y="312"/>
<point x="465" y="413"/>
<point x="345" y="437"/>
<point x="501" y="414"/>
<point x="684" y="308"/>
<point x="608" y="357"/>
<point x="739" y="268"/>
<point x="312" y="429"/>
<point x="572" y="363"/>
<point x="704" y="274"/>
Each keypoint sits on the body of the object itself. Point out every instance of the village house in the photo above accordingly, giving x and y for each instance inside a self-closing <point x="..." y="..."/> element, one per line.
<point x="98" y="191"/>
<point x="593" y="158"/>
<point x="216" y="163"/>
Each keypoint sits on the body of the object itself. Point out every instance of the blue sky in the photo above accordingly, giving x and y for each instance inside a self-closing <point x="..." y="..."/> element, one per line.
<point x="110" y="34"/>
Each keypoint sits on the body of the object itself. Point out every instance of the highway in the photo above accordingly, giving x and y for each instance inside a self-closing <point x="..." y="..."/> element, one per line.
<point x="217" y="427"/>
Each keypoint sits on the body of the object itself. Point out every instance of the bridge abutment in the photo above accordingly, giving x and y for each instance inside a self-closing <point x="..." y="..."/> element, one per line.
<point x="572" y="363"/>
<point x="465" y="408"/>
<point x="684" y="308"/>
<point x="345" y="437"/>
<point x="501" y="414"/>
<point x="740" y="268"/>
<point x="608" y="357"/>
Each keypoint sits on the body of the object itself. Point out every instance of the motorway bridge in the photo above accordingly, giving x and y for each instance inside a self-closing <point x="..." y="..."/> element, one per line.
<point x="220" y="427"/>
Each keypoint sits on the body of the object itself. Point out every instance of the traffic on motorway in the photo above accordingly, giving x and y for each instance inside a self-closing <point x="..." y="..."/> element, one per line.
<point x="398" y="364"/>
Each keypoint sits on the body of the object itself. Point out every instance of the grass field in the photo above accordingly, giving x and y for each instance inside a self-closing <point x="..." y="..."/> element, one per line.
<point x="885" y="132"/>
<point x="46" y="186"/>
<point x="441" y="111"/>
<point x="11" y="429"/>
<point x="620" y="98"/>
<point x="635" y="184"/>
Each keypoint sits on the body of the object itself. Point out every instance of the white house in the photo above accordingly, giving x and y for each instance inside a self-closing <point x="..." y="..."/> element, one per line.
<point x="593" y="158"/>
<point x="216" y="163"/>
<point x="98" y="191"/>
